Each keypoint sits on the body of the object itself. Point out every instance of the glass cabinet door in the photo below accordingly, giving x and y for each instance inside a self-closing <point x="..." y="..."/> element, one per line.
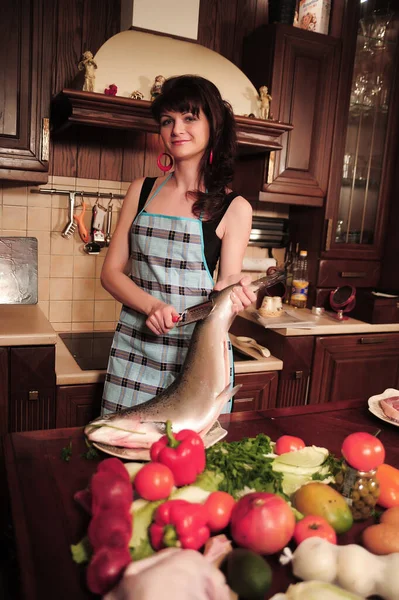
<point x="366" y="131"/>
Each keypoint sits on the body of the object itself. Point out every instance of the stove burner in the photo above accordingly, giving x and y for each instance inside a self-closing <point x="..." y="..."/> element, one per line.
<point x="91" y="349"/>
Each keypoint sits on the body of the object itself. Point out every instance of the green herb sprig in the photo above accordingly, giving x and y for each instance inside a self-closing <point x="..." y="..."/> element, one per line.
<point x="66" y="452"/>
<point x="244" y="465"/>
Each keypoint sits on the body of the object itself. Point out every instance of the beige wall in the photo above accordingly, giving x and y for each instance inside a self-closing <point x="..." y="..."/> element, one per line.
<point x="70" y="292"/>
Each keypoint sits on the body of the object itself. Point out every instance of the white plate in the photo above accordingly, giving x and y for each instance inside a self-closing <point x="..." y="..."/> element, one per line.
<point x="215" y="434"/>
<point x="374" y="405"/>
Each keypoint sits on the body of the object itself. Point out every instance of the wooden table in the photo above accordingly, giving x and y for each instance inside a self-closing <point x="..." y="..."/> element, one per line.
<point x="42" y="486"/>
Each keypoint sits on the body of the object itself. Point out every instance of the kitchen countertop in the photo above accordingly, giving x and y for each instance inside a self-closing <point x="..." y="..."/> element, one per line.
<point x="324" y="325"/>
<point x="25" y="325"/>
<point x="68" y="371"/>
<point x="42" y="487"/>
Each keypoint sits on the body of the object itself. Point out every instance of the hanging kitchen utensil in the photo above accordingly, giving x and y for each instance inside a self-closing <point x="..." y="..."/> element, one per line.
<point x="70" y="227"/>
<point x="84" y="234"/>
<point x="97" y="224"/>
<point x="109" y="223"/>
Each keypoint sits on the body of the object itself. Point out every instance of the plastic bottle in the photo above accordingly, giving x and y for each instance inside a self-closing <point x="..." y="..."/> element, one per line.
<point x="300" y="281"/>
<point x="288" y="267"/>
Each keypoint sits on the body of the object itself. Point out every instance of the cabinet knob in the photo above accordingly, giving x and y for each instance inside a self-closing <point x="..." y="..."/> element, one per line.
<point x="33" y="395"/>
<point x="298" y="374"/>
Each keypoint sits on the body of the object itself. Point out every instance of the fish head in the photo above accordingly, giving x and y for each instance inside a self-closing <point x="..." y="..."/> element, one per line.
<point x="116" y="429"/>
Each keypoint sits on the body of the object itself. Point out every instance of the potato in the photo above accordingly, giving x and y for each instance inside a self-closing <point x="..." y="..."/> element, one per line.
<point x="391" y="517"/>
<point x="381" y="539"/>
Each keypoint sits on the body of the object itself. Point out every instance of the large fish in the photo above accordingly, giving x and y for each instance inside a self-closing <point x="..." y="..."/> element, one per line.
<point x="196" y="398"/>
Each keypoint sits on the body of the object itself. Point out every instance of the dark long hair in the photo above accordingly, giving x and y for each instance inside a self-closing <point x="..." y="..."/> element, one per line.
<point x="190" y="93"/>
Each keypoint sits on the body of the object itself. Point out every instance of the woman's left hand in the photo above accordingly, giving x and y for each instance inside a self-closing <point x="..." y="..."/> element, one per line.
<point x="241" y="295"/>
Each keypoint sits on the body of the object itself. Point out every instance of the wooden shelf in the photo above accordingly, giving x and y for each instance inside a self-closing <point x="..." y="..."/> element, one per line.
<point x="88" y="108"/>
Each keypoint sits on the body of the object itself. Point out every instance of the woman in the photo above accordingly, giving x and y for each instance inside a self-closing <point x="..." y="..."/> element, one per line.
<point x="175" y="229"/>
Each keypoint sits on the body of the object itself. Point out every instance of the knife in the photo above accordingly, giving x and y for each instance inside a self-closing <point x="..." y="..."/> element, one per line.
<point x="202" y="310"/>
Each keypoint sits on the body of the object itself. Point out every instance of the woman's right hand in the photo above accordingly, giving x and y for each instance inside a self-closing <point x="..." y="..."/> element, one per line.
<point x="162" y="318"/>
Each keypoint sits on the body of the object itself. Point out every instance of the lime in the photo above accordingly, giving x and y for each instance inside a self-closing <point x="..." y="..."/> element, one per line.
<point x="247" y="573"/>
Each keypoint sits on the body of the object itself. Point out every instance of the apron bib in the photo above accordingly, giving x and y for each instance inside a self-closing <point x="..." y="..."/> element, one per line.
<point x="168" y="262"/>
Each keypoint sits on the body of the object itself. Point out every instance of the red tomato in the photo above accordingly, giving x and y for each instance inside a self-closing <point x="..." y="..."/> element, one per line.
<point x="219" y="506"/>
<point x="288" y="443"/>
<point x="154" y="481"/>
<point x="262" y="522"/>
<point x="363" y="451"/>
<point x="313" y="526"/>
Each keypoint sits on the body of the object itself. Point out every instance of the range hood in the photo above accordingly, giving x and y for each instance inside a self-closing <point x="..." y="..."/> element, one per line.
<point x="132" y="59"/>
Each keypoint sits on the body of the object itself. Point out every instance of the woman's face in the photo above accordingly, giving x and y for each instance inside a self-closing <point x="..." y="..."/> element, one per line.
<point x="185" y="135"/>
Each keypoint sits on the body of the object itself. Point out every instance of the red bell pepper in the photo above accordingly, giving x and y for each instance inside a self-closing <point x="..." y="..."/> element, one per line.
<point x="183" y="453"/>
<point x="179" y="523"/>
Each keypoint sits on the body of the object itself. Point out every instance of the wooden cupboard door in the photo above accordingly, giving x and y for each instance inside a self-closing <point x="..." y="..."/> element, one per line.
<point x="32" y="388"/>
<point x="3" y="391"/>
<point x="78" y="404"/>
<point x="301" y="68"/>
<point x="26" y="29"/>
<point x="258" y="391"/>
<point x="354" y="367"/>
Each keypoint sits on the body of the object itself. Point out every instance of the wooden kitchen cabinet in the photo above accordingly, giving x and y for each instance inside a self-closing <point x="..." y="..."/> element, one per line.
<point x="78" y="404"/>
<point x="296" y="353"/>
<point x="301" y="70"/>
<point x="345" y="239"/>
<point x="26" y="29"/>
<point x="258" y="392"/>
<point x="354" y="367"/>
<point x="4" y="393"/>
<point x="31" y="388"/>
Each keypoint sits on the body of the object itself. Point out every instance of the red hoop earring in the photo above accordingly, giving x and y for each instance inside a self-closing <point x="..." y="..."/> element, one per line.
<point x="211" y="157"/>
<point x="164" y="168"/>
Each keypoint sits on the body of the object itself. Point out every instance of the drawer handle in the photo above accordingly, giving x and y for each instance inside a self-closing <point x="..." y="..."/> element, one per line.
<point x="373" y="340"/>
<point x="33" y="395"/>
<point x="298" y="374"/>
<point x="352" y="274"/>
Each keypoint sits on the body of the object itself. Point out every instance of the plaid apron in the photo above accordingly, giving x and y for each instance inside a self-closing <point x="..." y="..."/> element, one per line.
<point x="168" y="262"/>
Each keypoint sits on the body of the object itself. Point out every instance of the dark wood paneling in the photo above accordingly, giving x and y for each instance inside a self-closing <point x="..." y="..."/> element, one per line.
<point x="359" y="273"/>
<point x="245" y="24"/>
<point x="32" y="369"/>
<point x="78" y="404"/>
<point x="133" y="155"/>
<point x="258" y="392"/>
<point x="89" y="140"/>
<point x="206" y="25"/>
<point x="225" y="28"/>
<point x="354" y="367"/>
<point x="153" y="147"/>
<point x="3" y="392"/>
<point x="111" y="155"/>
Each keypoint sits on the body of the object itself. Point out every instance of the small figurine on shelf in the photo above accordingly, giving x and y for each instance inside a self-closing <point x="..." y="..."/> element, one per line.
<point x="157" y="86"/>
<point x="264" y="99"/>
<point x="136" y="95"/>
<point x="112" y="90"/>
<point x="89" y="66"/>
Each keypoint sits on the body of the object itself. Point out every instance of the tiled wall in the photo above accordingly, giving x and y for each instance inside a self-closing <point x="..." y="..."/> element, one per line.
<point x="70" y="292"/>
